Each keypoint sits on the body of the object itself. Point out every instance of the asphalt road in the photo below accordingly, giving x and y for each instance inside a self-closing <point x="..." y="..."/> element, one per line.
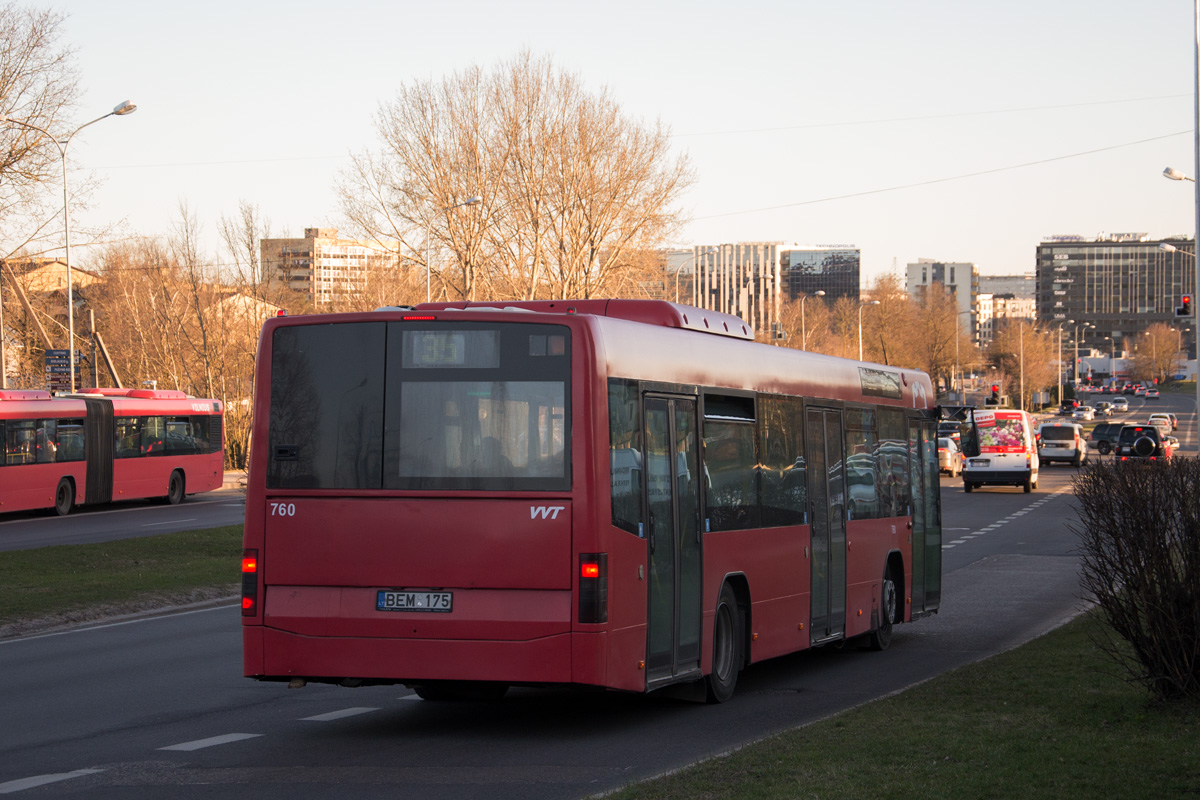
<point x="157" y="707"/>
<point x="25" y="530"/>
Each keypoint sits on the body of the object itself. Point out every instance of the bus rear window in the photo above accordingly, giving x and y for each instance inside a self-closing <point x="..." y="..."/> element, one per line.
<point x="397" y="405"/>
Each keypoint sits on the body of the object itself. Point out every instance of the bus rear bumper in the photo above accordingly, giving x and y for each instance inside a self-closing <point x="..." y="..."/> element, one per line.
<point x="271" y="654"/>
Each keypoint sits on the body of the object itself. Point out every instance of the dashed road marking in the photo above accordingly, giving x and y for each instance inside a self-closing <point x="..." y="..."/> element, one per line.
<point x="213" y="741"/>
<point x="22" y="784"/>
<point x="1010" y="518"/>
<point x="332" y="715"/>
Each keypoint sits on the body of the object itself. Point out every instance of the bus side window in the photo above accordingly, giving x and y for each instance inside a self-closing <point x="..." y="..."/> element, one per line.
<point x="47" y="441"/>
<point x="70" y="440"/>
<point x="128" y="436"/>
<point x="784" y="471"/>
<point x="154" y="436"/>
<point x="625" y="455"/>
<point x="18" y="442"/>
<point x="731" y="472"/>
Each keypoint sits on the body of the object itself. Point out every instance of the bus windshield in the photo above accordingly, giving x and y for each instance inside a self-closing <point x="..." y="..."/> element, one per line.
<point x="460" y="406"/>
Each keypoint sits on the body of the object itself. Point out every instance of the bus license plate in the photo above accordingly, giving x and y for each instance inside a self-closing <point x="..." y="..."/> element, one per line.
<point x="981" y="462"/>
<point x="397" y="600"/>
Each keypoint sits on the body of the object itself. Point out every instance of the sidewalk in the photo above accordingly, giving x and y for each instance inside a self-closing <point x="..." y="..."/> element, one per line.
<point x="234" y="480"/>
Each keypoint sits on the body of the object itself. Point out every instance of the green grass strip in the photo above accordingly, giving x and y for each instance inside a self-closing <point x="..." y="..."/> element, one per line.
<point x="1052" y="719"/>
<point x="52" y="580"/>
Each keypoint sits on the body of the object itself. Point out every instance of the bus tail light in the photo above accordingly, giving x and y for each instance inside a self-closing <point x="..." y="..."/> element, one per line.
<point x="593" y="587"/>
<point x="249" y="583"/>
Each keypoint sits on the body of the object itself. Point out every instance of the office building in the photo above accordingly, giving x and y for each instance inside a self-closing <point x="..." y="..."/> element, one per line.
<point x="834" y="269"/>
<point x="743" y="279"/>
<point x="1122" y="283"/>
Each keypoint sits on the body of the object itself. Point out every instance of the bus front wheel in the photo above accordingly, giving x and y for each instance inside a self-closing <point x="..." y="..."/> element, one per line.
<point x="64" y="497"/>
<point x="727" y="648"/>
<point x="175" y="488"/>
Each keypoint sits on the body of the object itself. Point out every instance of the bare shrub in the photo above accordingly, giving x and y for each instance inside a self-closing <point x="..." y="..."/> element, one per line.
<point x="1140" y="534"/>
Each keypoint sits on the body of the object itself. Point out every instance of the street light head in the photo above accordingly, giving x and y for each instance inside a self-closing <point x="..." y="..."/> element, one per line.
<point x="873" y="303"/>
<point x="124" y="108"/>
<point x="819" y="292"/>
<point x="1166" y="248"/>
<point x="1175" y="175"/>
<point x="473" y="201"/>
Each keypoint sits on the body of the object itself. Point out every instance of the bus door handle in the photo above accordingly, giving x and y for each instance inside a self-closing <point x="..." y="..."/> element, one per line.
<point x="650" y="538"/>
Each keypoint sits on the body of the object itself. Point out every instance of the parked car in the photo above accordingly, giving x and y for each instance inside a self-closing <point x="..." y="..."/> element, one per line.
<point x="1120" y="405"/>
<point x="1143" y="443"/>
<point x="1152" y="394"/>
<point x="950" y="458"/>
<point x="1062" y="441"/>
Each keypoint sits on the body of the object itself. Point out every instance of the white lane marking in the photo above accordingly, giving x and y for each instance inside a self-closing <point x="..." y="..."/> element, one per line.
<point x="212" y="741"/>
<point x="42" y="780"/>
<point x="409" y="697"/>
<point x="169" y="522"/>
<point x="233" y="602"/>
<point x="1010" y="518"/>
<point x="86" y="511"/>
<point x="332" y="715"/>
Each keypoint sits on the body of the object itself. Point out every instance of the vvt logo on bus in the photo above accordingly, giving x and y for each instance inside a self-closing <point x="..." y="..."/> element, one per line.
<point x="545" y="512"/>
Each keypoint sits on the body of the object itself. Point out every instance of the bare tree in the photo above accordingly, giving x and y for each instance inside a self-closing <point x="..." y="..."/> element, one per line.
<point x="1156" y="355"/>
<point x="1026" y="354"/>
<point x="570" y="189"/>
<point x="39" y="86"/>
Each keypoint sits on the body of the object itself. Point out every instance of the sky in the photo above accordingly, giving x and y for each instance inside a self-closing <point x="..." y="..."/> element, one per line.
<point x="957" y="131"/>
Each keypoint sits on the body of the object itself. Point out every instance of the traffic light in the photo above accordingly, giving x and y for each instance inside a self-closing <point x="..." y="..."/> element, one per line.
<point x="1184" y="309"/>
<point x="995" y="393"/>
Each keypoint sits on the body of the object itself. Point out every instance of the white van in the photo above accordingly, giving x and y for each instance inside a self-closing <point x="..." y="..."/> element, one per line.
<point x="1007" y="452"/>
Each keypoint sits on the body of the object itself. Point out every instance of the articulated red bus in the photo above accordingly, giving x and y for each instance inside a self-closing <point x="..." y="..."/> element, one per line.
<point x="615" y="493"/>
<point x="103" y="445"/>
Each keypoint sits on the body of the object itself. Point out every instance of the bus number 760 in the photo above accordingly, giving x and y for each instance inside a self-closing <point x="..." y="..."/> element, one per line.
<point x="283" y="509"/>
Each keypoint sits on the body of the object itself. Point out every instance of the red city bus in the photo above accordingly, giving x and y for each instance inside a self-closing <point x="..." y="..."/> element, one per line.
<point x="103" y="445"/>
<point x="628" y="494"/>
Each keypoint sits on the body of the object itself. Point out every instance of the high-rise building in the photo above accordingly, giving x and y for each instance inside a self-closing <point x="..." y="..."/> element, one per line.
<point x="322" y="266"/>
<point x="1121" y="282"/>
<point x="960" y="279"/>
<point x="834" y="269"/>
<point x="741" y="279"/>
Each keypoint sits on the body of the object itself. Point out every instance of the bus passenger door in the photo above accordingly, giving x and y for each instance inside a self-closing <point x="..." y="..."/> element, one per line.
<point x="672" y="492"/>
<point x="926" y="516"/>
<point x="826" y="492"/>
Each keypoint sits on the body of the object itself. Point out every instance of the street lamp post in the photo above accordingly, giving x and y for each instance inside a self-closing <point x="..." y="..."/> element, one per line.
<point x="470" y="201"/>
<point x="957" y="368"/>
<point x="1085" y="327"/>
<point x="804" y="327"/>
<point x="1060" y="370"/>
<point x="121" y="110"/>
<point x="1176" y="175"/>
<point x="861" y="306"/>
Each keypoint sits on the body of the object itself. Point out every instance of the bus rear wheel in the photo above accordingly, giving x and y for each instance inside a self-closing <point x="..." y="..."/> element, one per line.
<point x="64" y="497"/>
<point x="881" y="637"/>
<point x="727" y="648"/>
<point x="175" y="488"/>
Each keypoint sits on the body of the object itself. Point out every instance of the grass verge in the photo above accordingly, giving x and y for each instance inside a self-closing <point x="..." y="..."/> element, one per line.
<point x="1052" y="719"/>
<point x="46" y="586"/>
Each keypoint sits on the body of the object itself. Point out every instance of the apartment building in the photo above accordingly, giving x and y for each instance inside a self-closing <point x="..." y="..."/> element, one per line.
<point x="321" y="266"/>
